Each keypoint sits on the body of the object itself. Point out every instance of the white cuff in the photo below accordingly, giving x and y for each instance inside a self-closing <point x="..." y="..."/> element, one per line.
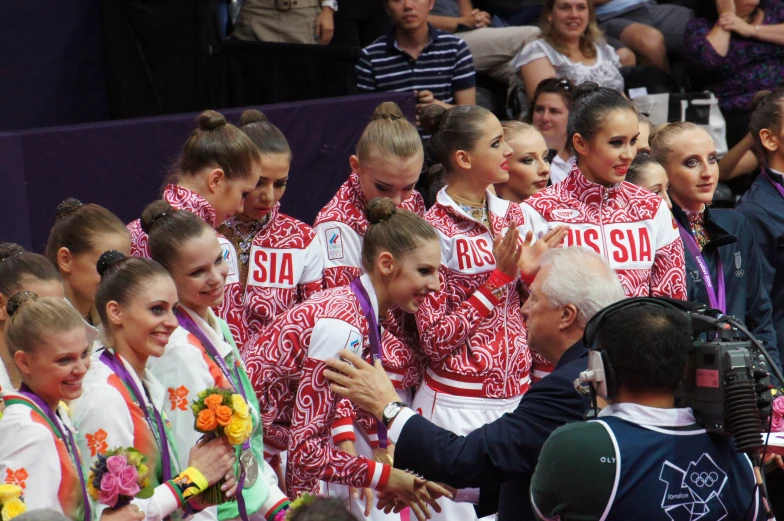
<point x="467" y="495"/>
<point x="332" y="4"/>
<point x="400" y="421"/>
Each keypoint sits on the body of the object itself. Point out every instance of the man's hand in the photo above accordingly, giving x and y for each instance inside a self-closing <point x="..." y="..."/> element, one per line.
<point x="480" y="18"/>
<point x="426" y="98"/>
<point x="404" y="489"/>
<point x="366" y="385"/>
<point x="325" y="25"/>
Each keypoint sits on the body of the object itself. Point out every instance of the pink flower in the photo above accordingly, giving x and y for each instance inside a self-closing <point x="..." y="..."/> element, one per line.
<point x="777" y="424"/>
<point x="110" y="490"/>
<point x="128" y="482"/>
<point x="116" y="464"/>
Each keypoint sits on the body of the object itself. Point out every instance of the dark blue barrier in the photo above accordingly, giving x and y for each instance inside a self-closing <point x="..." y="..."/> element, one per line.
<point x="121" y="164"/>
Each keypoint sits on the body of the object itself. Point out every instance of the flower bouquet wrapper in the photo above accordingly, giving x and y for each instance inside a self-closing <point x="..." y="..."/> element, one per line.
<point x="117" y="477"/>
<point x="221" y="413"/>
<point x="11" y="502"/>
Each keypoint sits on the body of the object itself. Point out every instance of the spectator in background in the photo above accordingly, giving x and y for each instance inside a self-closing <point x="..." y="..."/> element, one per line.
<point x="549" y="113"/>
<point x="735" y="54"/>
<point x="571" y="46"/>
<point x="287" y="21"/>
<point x="513" y="12"/>
<point x="359" y="22"/>
<point x="416" y="56"/>
<point x="647" y="28"/>
<point x="492" y="46"/>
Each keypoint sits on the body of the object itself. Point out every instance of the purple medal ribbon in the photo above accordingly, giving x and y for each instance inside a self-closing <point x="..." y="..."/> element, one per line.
<point x="65" y="435"/>
<point x="773" y="182"/>
<point x="715" y="302"/>
<point x="111" y="360"/>
<point x="187" y="323"/>
<point x="375" y="342"/>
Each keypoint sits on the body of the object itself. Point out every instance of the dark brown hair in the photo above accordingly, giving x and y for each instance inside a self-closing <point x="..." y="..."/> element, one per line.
<point x="589" y="39"/>
<point x="453" y="129"/>
<point x="122" y="278"/>
<point x="323" y="509"/>
<point x="392" y="229"/>
<point x="592" y="104"/>
<point x="638" y="168"/>
<point x="267" y="137"/>
<point x="169" y="229"/>
<point x="768" y="113"/>
<point x="16" y="264"/>
<point x="76" y="225"/>
<point x="561" y="86"/>
<point x="216" y="144"/>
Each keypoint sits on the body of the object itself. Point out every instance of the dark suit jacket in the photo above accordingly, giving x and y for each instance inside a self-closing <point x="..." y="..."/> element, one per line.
<point x="500" y="457"/>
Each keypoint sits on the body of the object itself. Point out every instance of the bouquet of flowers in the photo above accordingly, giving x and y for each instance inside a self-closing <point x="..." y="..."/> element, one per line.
<point x="777" y="422"/>
<point x="11" y="502"/>
<point x="222" y="413"/>
<point x="117" y="477"/>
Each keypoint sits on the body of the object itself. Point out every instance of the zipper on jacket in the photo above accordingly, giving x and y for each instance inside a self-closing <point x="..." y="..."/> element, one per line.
<point x="605" y="197"/>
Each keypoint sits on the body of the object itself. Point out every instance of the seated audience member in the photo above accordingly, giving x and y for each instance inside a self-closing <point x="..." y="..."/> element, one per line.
<point x="492" y="47"/>
<point x="499" y="458"/>
<point x="287" y="21"/>
<point x="735" y="54"/>
<point x="359" y="22"/>
<point x="416" y="56"/>
<point x="643" y="144"/>
<point x="649" y="29"/>
<point x="549" y="113"/>
<point x="639" y="459"/>
<point x="571" y="46"/>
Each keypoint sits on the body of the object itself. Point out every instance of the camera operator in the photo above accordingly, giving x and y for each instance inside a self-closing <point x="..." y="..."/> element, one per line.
<point x="642" y="458"/>
<point x="499" y="458"/>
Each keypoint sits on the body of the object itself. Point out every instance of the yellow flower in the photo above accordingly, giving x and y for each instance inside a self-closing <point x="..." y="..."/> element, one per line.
<point x="240" y="406"/>
<point x="236" y="431"/>
<point x="13" y="508"/>
<point x="9" y="492"/>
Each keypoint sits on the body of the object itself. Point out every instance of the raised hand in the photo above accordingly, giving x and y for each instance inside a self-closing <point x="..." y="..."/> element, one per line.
<point x="532" y="253"/>
<point x="507" y="251"/>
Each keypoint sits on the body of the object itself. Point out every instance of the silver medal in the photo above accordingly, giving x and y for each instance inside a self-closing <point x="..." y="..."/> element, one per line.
<point x="251" y="467"/>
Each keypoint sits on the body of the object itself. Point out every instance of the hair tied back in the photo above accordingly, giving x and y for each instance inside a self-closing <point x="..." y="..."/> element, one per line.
<point x="108" y="259"/>
<point x="380" y="209"/>
<point x="67" y="206"/>
<point x="153" y="214"/>
<point x="18" y="300"/>
<point x="10" y="249"/>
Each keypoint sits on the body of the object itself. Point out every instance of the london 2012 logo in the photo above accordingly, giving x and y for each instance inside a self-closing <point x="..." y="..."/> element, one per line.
<point x="694" y="493"/>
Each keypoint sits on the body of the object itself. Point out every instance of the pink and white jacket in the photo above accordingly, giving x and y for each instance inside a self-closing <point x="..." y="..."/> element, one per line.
<point x="472" y="331"/>
<point x="298" y="407"/>
<point x="183" y="199"/>
<point x="285" y="268"/>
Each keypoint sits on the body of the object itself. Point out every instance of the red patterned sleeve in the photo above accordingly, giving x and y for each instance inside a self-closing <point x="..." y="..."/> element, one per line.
<point x="668" y="274"/>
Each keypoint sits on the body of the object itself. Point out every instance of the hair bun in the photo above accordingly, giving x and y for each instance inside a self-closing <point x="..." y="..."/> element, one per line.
<point x="153" y="213"/>
<point x="10" y="249"/>
<point x="210" y="120"/>
<point x="379" y="209"/>
<point x="657" y="131"/>
<point x="585" y="89"/>
<point x="388" y="110"/>
<point x="251" y="116"/>
<point x="759" y="98"/>
<point x="67" y="206"/>
<point x="18" y="300"/>
<point x="430" y="118"/>
<point x="108" y="259"/>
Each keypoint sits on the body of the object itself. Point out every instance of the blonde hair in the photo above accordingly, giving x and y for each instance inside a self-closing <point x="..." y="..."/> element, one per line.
<point x="389" y="132"/>
<point x="514" y="128"/>
<point x="663" y="137"/>
<point x="33" y="318"/>
<point x="588" y="40"/>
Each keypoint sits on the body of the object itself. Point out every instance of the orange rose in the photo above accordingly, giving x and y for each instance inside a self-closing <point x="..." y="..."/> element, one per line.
<point x="205" y="421"/>
<point x="213" y="401"/>
<point x="223" y="415"/>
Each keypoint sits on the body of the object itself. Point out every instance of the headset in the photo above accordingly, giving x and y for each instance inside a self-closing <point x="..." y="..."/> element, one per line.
<point x="600" y="373"/>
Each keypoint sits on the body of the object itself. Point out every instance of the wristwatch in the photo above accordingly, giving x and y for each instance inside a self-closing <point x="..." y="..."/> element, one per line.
<point x="391" y="411"/>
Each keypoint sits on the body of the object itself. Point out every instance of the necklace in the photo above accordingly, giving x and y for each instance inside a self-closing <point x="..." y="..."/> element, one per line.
<point x="244" y="239"/>
<point x="478" y="212"/>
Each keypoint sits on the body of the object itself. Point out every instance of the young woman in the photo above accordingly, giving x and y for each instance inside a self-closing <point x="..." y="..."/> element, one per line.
<point x="529" y="169"/>
<point x="21" y="271"/>
<point x="763" y="204"/>
<point x="649" y="174"/>
<point x="50" y="346"/>
<point x="201" y="352"/>
<point x="629" y="226"/>
<point x="218" y="167"/>
<point x="280" y="262"/>
<point x="123" y="404"/>
<point x="472" y="331"/>
<point x="400" y="254"/>
<point x="643" y="144"/>
<point x="81" y="233"/>
<point x="549" y="113"/>
<point x="722" y="258"/>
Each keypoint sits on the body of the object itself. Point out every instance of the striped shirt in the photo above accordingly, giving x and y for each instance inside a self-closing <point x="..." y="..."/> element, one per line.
<point x="444" y="67"/>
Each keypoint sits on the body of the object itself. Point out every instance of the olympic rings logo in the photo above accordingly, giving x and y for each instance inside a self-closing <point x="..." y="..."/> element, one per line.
<point x="704" y="479"/>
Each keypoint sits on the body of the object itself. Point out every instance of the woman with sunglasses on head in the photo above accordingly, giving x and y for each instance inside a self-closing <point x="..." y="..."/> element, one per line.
<point x="50" y="344"/>
<point x="549" y="113"/>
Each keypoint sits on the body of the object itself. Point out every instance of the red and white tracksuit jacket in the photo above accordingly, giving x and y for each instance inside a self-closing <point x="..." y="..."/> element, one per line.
<point x="285" y="267"/>
<point x="474" y="338"/>
<point x="629" y="226"/>
<point x="341" y="225"/>
<point x="298" y="408"/>
<point x="183" y="199"/>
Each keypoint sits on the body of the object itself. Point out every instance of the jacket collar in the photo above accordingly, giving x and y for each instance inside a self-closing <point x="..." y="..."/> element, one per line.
<point x="577" y="351"/>
<point x="148" y="382"/>
<point x="213" y="332"/>
<point x="392" y="38"/>
<point x="496" y="210"/>
<point x="183" y="199"/>
<point x="368" y="285"/>
<point x="576" y="183"/>
<point x="776" y="176"/>
<point x="650" y="416"/>
<point x="718" y="235"/>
